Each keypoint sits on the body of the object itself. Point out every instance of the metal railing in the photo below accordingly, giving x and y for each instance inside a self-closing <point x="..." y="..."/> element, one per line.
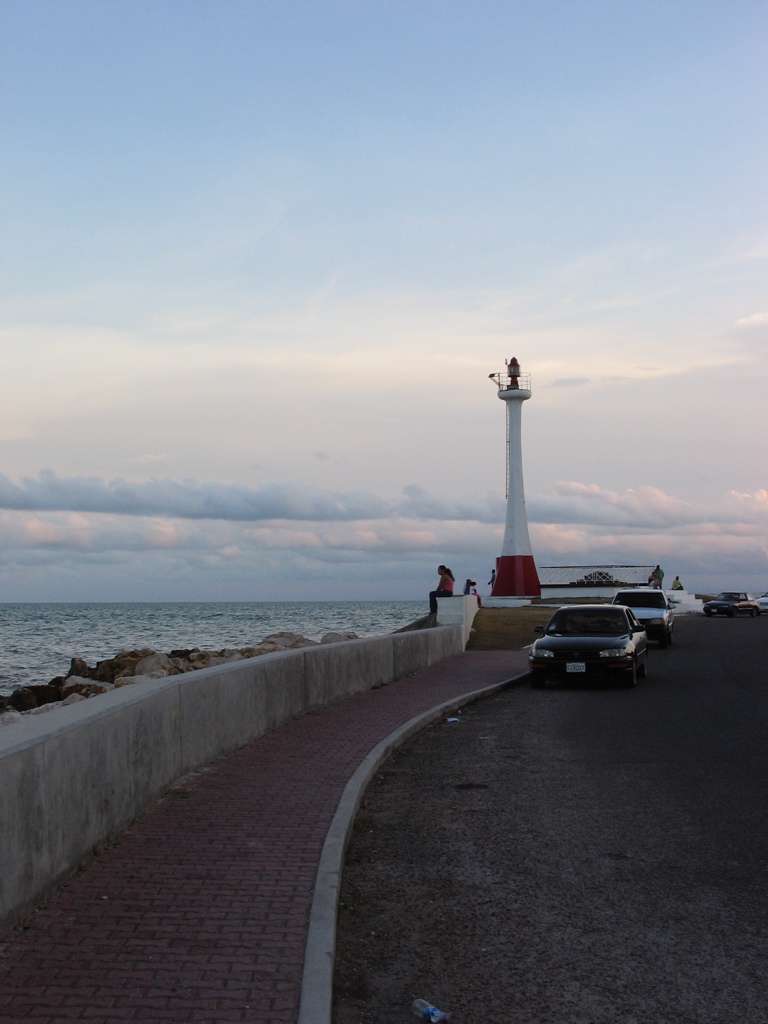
<point x="594" y="575"/>
<point x="503" y="381"/>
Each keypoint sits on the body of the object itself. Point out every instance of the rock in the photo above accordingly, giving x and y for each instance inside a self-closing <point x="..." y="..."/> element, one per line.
<point x="156" y="665"/>
<point x="73" y="698"/>
<point x="71" y="683"/>
<point x="203" y="659"/>
<point x="23" y="699"/>
<point x="206" y="659"/>
<point x="337" y="638"/>
<point x="266" y="647"/>
<point x="121" y="665"/>
<point x="83" y="686"/>
<point x="230" y="654"/>
<point x="250" y="652"/>
<point x="130" y="680"/>
<point x="46" y="694"/>
<point x="80" y="668"/>
<point x="288" y="641"/>
<point x="44" y="708"/>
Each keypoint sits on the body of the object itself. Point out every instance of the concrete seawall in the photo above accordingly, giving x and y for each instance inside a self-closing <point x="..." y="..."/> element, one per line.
<point x="73" y="778"/>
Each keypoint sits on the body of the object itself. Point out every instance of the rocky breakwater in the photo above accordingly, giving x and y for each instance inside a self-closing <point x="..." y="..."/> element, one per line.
<point x="83" y="682"/>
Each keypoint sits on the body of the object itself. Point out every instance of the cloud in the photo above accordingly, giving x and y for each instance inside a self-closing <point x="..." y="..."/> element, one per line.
<point x="756" y="318"/>
<point x="640" y="508"/>
<point x="418" y="504"/>
<point x="570" y="382"/>
<point x="734" y="534"/>
<point x="568" y="502"/>
<point x="275" y="539"/>
<point x="187" y="499"/>
<point x="149" y="457"/>
<point x="237" y="502"/>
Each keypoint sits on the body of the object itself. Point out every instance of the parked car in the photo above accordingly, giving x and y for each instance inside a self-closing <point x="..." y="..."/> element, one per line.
<point x="762" y="603"/>
<point x="590" y="641"/>
<point x="652" y="608"/>
<point x="732" y="602"/>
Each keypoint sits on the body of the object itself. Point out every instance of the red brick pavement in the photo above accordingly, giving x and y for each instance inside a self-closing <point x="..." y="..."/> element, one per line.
<point x="199" y="911"/>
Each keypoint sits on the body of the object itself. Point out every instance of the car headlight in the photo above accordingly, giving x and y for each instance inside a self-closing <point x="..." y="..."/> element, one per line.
<point x="616" y="652"/>
<point x="654" y="622"/>
<point x="543" y="653"/>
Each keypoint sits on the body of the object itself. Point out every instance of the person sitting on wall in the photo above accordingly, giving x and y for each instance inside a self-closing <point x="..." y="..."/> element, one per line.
<point x="444" y="588"/>
<point x="676" y="584"/>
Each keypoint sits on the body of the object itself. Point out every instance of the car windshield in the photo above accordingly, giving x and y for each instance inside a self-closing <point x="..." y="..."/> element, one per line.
<point x="572" y="622"/>
<point x="728" y="596"/>
<point x="641" y="600"/>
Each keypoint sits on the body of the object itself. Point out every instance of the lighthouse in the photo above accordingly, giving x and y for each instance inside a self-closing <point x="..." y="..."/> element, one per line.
<point x="516" y="575"/>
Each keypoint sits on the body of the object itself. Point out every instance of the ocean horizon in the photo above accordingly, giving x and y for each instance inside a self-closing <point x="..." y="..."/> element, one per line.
<point x="39" y="640"/>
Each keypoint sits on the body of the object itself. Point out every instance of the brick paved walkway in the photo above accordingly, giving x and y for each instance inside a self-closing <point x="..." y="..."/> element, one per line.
<point x="199" y="912"/>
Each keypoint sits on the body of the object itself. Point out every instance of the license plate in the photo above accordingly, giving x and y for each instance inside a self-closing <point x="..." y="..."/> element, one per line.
<point x="575" y="666"/>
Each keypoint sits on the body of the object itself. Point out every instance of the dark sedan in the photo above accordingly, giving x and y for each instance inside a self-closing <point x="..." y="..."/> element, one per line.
<point x="732" y="602"/>
<point x="589" y="642"/>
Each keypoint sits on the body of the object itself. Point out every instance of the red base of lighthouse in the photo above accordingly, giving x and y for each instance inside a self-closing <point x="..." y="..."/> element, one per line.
<point x="516" y="576"/>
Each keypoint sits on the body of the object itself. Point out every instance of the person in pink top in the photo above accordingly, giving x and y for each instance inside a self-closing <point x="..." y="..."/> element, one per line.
<point x="444" y="588"/>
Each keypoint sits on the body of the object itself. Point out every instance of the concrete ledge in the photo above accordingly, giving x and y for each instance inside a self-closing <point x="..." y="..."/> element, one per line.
<point x="458" y="610"/>
<point x="684" y="603"/>
<point x="76" y="776"/>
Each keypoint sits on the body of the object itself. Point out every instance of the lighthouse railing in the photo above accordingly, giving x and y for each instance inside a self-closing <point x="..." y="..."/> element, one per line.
<point x="520" y="382"/>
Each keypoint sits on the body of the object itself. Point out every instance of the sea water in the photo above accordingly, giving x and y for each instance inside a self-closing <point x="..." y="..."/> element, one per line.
<point x="38" y="641"/>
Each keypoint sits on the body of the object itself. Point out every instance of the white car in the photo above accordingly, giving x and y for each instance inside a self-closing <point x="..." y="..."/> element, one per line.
<point x="763" y="603"/>
<point x="653" y="609"/>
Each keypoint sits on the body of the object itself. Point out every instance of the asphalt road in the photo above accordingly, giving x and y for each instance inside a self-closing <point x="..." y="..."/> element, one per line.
<point x="577" y="855"/>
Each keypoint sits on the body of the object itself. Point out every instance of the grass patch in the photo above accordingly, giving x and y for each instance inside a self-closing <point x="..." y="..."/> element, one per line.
<point x="506" y="629"/>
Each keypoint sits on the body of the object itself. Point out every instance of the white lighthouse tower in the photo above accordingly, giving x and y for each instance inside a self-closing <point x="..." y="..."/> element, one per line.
<point x="516" y="575"/>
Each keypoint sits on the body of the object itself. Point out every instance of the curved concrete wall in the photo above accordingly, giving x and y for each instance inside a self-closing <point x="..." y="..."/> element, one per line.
<point x="72" y="778"/>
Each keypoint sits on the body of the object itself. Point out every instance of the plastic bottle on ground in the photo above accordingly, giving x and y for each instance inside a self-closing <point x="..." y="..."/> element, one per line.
<point x="427" y="1011"/>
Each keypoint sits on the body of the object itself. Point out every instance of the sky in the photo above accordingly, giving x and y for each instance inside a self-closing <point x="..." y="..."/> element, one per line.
<point x="259" y="259"/>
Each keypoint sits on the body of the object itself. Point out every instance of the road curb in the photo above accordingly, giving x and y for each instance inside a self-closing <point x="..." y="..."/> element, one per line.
<point x="317" y="981"/>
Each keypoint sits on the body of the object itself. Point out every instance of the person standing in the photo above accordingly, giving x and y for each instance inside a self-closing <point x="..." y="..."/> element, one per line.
<point x="656" y="577"/>
<point x="444" y="588"/>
